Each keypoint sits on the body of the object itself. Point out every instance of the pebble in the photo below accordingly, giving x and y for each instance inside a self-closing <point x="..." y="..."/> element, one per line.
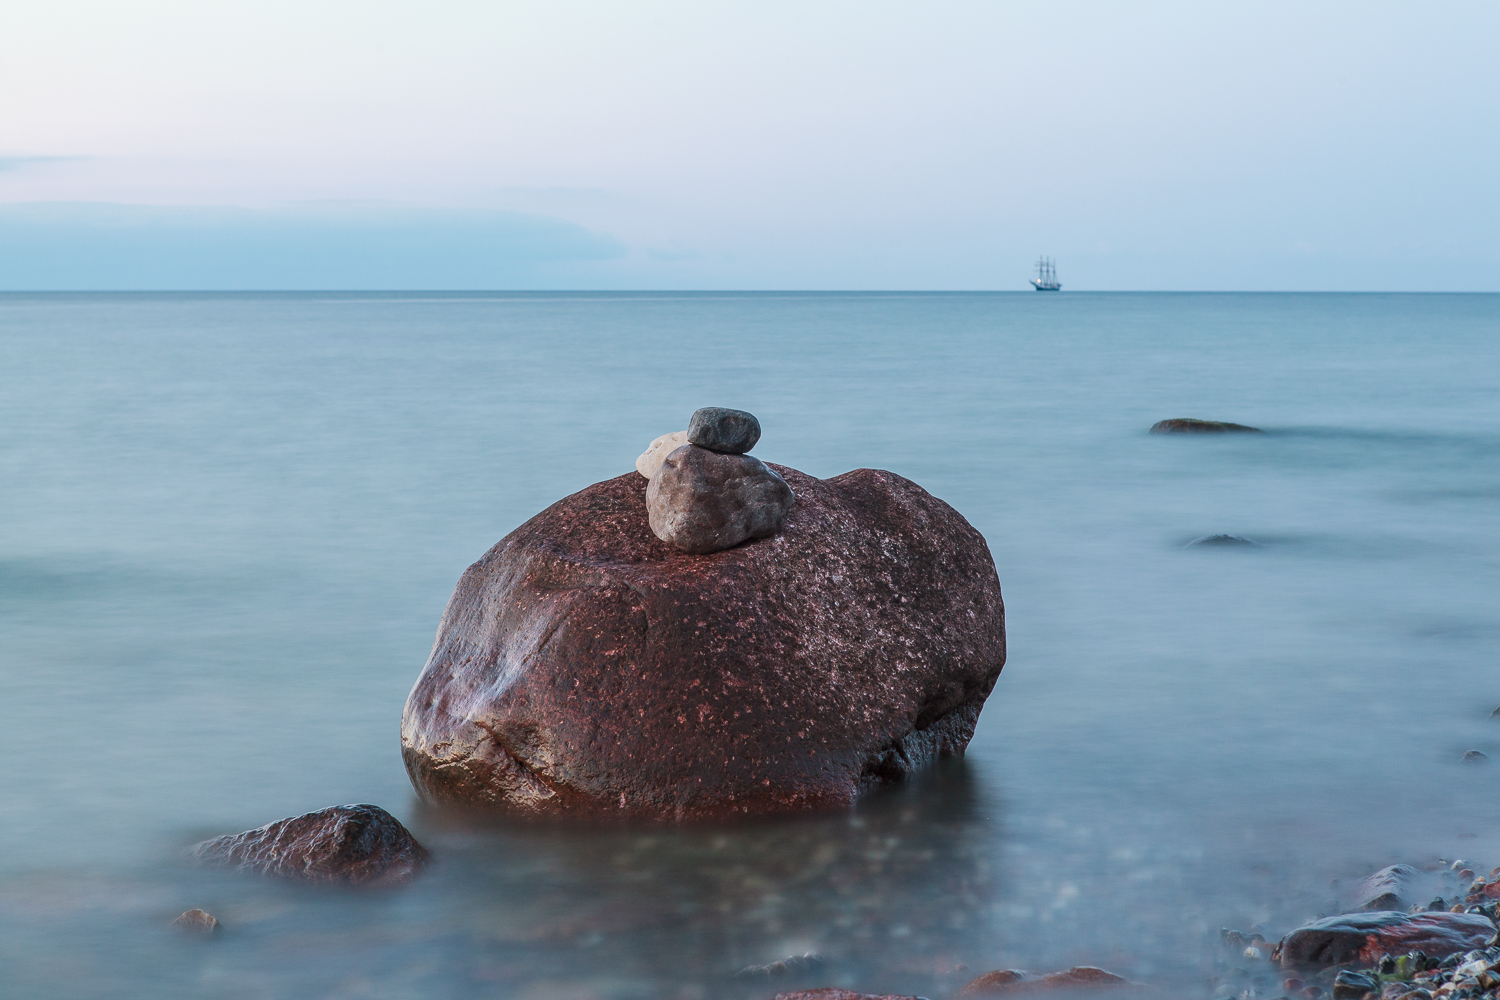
<point x="730" y="432"/>
<point x="651" y="459"/>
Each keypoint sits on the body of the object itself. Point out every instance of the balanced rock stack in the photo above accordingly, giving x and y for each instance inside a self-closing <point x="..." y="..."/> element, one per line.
<point x="706" y="493"/>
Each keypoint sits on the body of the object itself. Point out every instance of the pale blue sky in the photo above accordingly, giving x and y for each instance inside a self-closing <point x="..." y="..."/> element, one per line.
<point x="1335" y="145"/>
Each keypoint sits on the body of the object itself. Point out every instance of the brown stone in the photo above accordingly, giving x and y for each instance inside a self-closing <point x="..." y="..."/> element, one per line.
<point x="829" y="993"/>
<point x="1387" y="889"/>
<point x="702" y="501"/>
<point x="354" y="844"/>
<point x="1364" y="937"/>
<point x="1007" y="982"/>
<point x="197" y="922"/>
<point x="585" y="668"/>
<point x="1188" y="425"/>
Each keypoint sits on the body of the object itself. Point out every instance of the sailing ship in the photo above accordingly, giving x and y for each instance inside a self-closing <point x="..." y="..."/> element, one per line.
<point x="1046" y="276"/>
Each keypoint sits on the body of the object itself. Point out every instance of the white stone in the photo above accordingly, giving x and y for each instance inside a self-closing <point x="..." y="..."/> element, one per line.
<point x="651" y="459"/>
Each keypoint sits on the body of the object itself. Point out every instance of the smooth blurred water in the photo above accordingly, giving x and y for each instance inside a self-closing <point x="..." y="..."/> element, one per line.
<point x="229" y="523"/>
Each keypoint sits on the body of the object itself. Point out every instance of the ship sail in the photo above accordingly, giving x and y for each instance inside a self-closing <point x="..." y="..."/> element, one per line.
<point x="1046" y="276"/>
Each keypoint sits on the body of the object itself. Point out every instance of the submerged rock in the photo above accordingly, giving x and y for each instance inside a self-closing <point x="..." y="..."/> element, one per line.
<point x="1364" y="937"/>
<point x="1213" y="541"/>
<point x="1188" y="425"/>
<point x="1387" y="889"/>
<point x="793" y="963"/>
<point x="199" y="922"/>
<point x="830" y="993"/>
<point x="1009" y="982"/>
<point x="585" y="668"/>
<point x="732" y="432"/>
<point x="354" y="844"/>
<point x="1475" y="757"/>
<point x="650" y="461"/>
<point x="701" y="501"/>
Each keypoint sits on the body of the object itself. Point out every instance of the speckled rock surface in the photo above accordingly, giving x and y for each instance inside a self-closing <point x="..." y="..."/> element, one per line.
<point x="1012" y="982"/>
<point x="702" y="501"/>
<point x="651" y="459"/>
<point x="354" y="844"/>
<point x="584" y="667"/>
<point x="1188" y="425"/>
<point x="1364" y="937"/>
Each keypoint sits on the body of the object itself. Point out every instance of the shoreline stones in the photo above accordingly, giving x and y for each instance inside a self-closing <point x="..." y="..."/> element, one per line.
<point x="584" y="668"/>
<point x="1190" y="425"/>
<point x="359" y="844"/>
<point x="1365" y="937"/>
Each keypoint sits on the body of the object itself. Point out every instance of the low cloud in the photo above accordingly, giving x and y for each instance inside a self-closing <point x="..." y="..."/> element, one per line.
<point x="85" y="245"/>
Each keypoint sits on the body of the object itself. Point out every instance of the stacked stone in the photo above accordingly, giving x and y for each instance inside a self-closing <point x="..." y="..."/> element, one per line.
<point x="705" y="492"/>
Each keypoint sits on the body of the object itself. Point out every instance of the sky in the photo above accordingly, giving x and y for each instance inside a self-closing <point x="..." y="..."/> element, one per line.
<point x="701" y="145"/>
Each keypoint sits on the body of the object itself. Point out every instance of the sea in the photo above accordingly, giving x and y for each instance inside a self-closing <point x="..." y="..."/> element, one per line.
<point x="229" y="524"/>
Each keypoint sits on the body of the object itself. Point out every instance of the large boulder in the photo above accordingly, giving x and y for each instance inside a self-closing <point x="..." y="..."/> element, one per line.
<point x="584" y="667"/>
<point x="350" y="844"/>
<point x="1364" y="937"/>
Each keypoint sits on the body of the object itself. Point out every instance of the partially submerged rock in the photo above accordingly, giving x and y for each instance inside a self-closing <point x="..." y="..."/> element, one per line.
<point x="354" y="844"/>
<point x="1220" y="541"/>
<point x="1364" y="937"/>
<point x="702" y="501"/>
<point x="1188" y="425"/>
<point x="1388" y="889"/>
<point x="650" y="460"/>
<point x="830" y="993"/>
<point x="585" y="668"/>
<point x="199" y="922"/>
<point x="1010" y="982"/>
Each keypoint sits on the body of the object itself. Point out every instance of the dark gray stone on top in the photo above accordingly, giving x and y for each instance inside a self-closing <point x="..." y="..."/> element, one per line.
<point x="730" y="432"/>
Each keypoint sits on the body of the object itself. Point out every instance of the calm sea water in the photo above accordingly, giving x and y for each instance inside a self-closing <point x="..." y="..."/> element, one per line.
<point x="229" y="523"/>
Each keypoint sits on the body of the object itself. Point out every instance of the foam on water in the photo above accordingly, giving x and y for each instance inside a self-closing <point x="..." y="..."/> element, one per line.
<point x="231" y="523"/>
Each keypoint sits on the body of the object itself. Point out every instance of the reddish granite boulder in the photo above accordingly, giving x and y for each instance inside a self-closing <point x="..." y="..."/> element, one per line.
<point x="586" y="668"/>
<point x="353" y="844"/>
<point x="1364" y="937"/>
<point x="1007" y="982"/>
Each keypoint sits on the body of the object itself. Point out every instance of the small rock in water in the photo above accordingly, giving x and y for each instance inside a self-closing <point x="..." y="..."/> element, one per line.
<point x="1006" y="982"/>
<point x="1188" y="425"/>
<point x="651" y="459"/>
<point x="352" y="844"/>
<point x="794" y="963"/>
<point x="831" y="993"/>
<point x="731" y="432"/>
<point x="1437" y="905"/>
<point x="1387" y="889"/>
<point x="197" y="922"/>
<point x="703" y="501"/>
<point x="1475" y="757"/>
<point x="1218" y="540"/>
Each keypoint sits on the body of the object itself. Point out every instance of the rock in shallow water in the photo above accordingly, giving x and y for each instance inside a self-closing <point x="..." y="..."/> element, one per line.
<point x="1216" y="541"/>
<point x="701" y="501"/>
<point x="732" y="432"/>
<point x="353" y="844"/>
<point x="1387" y="889"/>
<point x="651" y="459"/>
<point x="1188" y="425"/>
<point x="199" y="922"/>
<point x="586" y="668"/>
<point x="1364" y="937"/>
<point x="830" y="993"/>
<point x="1010" y="982"/>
